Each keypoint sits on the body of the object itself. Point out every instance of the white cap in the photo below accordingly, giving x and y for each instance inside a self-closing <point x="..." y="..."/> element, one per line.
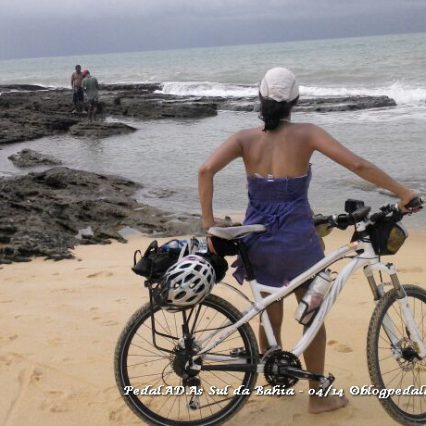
<point x="280" y="85"/>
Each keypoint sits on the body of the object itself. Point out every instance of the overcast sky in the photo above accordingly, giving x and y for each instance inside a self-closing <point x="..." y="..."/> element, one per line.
<point x="33" y="28"/>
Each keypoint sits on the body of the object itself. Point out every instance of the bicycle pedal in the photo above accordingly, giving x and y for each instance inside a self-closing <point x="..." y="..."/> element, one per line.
<point x="326" y="382"/>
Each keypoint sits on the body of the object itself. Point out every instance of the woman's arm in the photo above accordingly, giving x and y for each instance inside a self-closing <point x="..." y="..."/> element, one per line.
<point x="228" y="151"/>
<point x="321" y="141"/>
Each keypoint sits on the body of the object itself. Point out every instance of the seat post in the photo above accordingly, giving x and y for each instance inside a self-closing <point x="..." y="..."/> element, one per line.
<point x="242" y="248"/>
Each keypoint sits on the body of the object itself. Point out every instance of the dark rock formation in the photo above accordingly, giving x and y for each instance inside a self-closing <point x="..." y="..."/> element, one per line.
<point x="21" y="87"/>
<point x="35" y="111"/>
<point x="155" y="109"/>
<point x="98" y="130"/>
<point x="27" y="116"/>
<point x="42" y="214"/>
<point x="30" y="158"/>
<point x="347" y="103"/>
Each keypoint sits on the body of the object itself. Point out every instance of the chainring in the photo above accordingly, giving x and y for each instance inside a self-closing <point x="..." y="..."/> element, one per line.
<point x="276" y="359"/>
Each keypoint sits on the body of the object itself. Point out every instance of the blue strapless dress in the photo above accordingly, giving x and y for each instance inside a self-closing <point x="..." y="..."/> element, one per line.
<point x="290" y="245"/>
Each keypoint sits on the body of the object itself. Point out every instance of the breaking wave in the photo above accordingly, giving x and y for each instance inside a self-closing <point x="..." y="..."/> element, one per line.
<point x="402" y="94"/>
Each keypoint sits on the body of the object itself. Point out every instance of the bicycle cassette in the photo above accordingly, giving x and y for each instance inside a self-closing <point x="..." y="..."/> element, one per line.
<point x="274" y="363"/>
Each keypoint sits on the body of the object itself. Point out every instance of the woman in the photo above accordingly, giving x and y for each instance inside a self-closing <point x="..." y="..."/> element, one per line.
<point x="276" y="160"/>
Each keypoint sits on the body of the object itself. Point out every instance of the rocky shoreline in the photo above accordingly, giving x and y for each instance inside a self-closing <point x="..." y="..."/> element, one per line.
<point x="48" y="213"/>
<point x="29" y="112"/>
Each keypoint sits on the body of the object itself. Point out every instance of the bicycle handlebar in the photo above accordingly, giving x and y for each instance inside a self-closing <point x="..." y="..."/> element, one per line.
<point x="344" y="220"/>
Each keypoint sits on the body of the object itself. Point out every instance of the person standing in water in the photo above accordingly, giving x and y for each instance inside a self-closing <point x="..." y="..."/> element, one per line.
<point x="91" y="88"/>
<point x="277" y="164"/>
<point x="77" y="89"/>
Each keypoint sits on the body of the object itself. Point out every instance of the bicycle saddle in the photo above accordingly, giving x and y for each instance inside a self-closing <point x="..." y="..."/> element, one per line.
<point x="233" y="232"/>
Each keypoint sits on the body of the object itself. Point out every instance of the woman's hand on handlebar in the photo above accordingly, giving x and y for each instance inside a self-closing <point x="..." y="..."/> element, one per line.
<point x="406" y="199"/>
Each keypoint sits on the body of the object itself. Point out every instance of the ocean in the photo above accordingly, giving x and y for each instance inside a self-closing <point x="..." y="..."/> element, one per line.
<point x="166" y="154"/>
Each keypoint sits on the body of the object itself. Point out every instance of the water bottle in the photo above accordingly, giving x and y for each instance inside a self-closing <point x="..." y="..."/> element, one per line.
<point x="311" y="302"/>
<point x="173" y="245"/>
<point x="198" y="245"/>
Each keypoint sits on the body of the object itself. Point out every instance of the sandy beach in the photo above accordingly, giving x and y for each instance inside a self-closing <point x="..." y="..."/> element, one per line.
<point x="60" y="322"/>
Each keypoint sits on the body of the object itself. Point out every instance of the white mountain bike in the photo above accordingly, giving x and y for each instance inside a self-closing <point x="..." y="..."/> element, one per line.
<point x="199" y="366"/>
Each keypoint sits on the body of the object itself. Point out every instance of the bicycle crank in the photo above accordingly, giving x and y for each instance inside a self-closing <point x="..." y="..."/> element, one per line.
<point x="285" y="369"/>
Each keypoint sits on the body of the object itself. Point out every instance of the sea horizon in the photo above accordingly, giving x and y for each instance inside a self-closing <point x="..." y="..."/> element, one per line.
<point x="214" y="46"/>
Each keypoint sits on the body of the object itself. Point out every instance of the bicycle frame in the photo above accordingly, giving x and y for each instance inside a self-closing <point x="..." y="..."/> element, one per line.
<point x="363" y="256"/>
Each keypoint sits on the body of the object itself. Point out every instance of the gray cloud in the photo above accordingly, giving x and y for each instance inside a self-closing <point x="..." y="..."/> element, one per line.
<point x="44" y="28"/>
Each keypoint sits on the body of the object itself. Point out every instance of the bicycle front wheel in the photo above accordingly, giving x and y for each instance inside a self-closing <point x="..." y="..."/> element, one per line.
<point x="391" y="355"/>
<point x="141" y="365"/>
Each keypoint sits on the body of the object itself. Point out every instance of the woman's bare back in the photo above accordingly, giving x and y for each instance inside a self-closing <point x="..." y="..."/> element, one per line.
<point x="283" y="153"/>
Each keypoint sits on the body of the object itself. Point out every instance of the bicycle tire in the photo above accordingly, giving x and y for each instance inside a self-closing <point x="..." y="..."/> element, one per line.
<point x="373" y="338"/>
<point x="143" y="412"/>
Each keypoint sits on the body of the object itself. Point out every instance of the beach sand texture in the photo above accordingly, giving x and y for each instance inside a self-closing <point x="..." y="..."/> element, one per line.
<point x="60" y="321"/>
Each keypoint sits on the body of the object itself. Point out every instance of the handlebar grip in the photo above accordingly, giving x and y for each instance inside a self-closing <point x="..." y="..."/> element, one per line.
<point x="415" y="203"/>
<point x="360" y="214"/>
<point x="320" y="219"/>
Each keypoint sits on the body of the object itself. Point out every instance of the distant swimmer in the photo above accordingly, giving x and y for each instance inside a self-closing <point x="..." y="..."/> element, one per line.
<point x="76" y="85"/>
<point x="91" y="88"/>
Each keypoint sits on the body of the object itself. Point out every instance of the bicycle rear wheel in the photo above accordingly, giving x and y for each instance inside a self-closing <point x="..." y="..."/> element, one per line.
<point x="138" y="363"/>
<point x="395" y="367"/>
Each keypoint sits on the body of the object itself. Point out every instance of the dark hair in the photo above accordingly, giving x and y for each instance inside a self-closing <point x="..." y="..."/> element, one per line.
<point x="271" y="112"/>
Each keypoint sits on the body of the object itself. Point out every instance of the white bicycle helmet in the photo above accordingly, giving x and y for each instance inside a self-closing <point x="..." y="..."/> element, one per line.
<point x="187" y="282"/>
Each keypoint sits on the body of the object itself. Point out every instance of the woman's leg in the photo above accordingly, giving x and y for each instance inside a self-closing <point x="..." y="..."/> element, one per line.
<point x="314" y="357"/>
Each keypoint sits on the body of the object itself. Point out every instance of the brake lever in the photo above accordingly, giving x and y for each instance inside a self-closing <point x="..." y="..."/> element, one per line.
<point x="389" y="208"/>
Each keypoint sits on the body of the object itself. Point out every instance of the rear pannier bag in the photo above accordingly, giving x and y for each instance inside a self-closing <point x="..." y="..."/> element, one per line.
<point x="155" y="261"/>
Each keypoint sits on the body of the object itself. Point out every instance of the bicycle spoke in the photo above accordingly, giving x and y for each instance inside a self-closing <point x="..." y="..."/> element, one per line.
<point x="149" y="375"/>
<point x="167" y="324"/>
<point x="187" y="406"/>
<point x="400" y="384"/>
<point x="202" y="316"/>
<point x="176" y="329"/>
<point x="394" y="377"/>
<point x="169" y="339"/>
<point x="397" y="314"/>
<point x="226" y="372"/>
<point x="389" y="331"/>
<point x="391" y="371"/>
<point x="383" y="359"/>
<point x="207" y="393"/>
<point x="211" y="320"/>
<point x="157" y="352"/>
<point x="413" y="393"/>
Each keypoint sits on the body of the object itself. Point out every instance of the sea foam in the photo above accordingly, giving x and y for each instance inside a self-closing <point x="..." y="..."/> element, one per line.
<point x="402" y="94"/>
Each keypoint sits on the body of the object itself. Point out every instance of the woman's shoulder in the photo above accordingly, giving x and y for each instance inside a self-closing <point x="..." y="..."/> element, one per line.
<point x="244" y="135"/>
<point x="306" y="131"/>
<point x="304" y="127"/>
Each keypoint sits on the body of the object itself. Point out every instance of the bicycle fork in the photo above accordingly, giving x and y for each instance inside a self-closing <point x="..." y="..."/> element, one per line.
<point x="406" y="312"/>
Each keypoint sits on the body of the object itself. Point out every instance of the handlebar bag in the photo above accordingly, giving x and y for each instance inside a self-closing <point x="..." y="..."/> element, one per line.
<point x="387" y="236"/>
